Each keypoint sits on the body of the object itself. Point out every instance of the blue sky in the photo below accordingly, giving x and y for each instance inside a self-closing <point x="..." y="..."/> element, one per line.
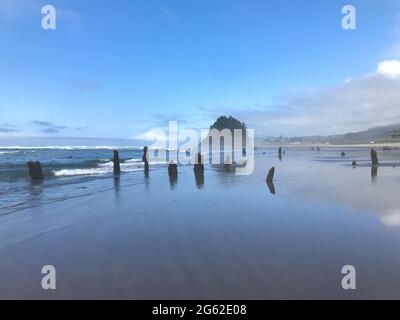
<point x="116" y="69"/>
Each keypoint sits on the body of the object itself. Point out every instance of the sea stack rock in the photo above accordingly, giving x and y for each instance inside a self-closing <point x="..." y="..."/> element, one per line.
<point x="35" y="170"/>
<point x="271" y="174"/>
<point x="117" y="167"/>
<point x="374" y="158"/>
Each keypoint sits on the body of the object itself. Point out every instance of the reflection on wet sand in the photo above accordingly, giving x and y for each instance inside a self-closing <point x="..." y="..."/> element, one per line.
<point x="117" y="183"/>
<point x="36" y="188"/>
<point x="173" y="174"/>
<point x="199" y="176"/>
<point x="270" y="180"/>
<point x="227" y="167"/>
<point x="326" y="214"/>
<point x="199" y="171"/>
<point x="271" y="187"/>
<point x="173" y="180"/>
<point x="359" y="189"/>
<point x="374" y="174"/>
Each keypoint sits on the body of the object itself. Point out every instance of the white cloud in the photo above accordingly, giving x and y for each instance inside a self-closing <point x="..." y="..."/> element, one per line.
<point x="348" y="80"/>
<point x="152" y="135"/>
<point x="354" y="105"/>
<point x="161" y="136"/>
<point x="389" y="68"/>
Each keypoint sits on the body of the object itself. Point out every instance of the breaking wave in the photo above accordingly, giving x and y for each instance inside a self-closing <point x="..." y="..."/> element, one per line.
<point x="9" y="152"/>
<point x="102" y="168"/>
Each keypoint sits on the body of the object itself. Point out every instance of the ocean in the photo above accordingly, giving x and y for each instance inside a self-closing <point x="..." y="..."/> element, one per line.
<point x="62" y="166"/>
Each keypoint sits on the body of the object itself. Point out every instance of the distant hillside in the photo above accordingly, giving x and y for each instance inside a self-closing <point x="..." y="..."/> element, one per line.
<point x="383" y="134"/>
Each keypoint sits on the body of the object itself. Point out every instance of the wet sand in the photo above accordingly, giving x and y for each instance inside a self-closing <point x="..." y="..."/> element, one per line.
<point x="229" y="238"/>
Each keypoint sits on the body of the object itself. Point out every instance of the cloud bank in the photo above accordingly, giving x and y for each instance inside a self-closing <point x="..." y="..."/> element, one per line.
<point x="389" y="69"/>
<point x="355" y="105"/>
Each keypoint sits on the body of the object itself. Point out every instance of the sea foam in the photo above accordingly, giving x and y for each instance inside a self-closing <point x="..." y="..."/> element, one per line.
<point x="130" y="165"/>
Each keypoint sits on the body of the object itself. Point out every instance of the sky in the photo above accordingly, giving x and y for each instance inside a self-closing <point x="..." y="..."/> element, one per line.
<point x="118" y="69"/>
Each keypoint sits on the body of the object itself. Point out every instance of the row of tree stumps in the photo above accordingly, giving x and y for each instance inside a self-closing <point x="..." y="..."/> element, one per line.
<point x="172" y="167"/>
<point x="36" y="171"/>
<point x="281" y="152"/>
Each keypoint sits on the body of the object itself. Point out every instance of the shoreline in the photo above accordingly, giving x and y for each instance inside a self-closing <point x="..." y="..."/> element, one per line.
<point x="322" y="146"/>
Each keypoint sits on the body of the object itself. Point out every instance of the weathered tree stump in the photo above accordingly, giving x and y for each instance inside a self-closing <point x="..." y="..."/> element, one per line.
<point x="117" y="166"/>
<point x="173" y="169"/>
<point x="145" y="159"/>
<point x="35" y="170"/>
<point x="374" y="158"/>
<point x="199" y="166"/>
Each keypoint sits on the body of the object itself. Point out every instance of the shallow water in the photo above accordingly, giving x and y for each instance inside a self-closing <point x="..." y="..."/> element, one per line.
<point x="228" y="237"/>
